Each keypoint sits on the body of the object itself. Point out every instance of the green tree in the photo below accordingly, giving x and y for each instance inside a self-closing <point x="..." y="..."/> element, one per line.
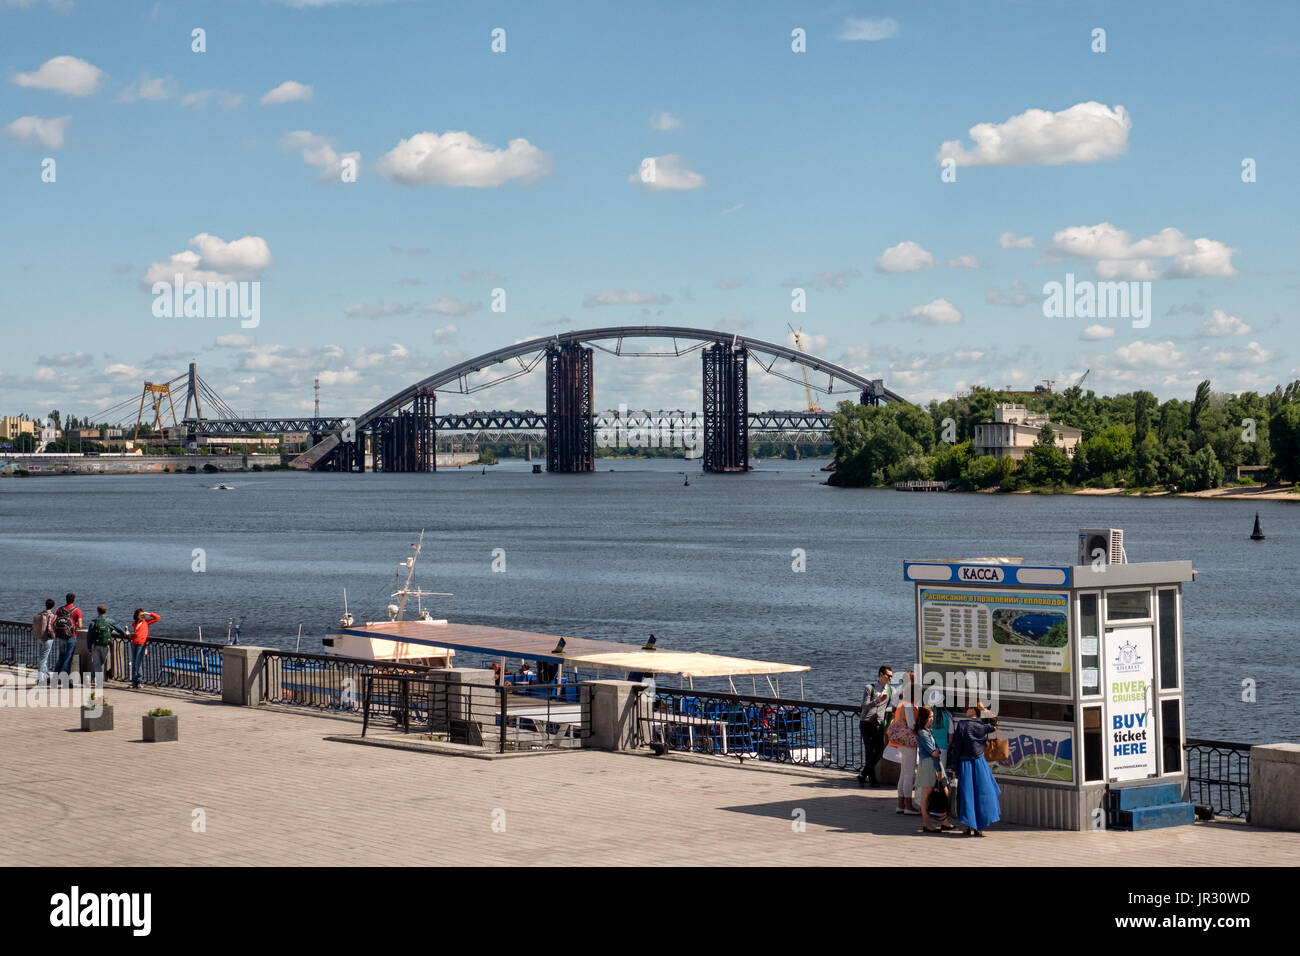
<point x="1203" y="471"/>
<point x="1284" y="440"/>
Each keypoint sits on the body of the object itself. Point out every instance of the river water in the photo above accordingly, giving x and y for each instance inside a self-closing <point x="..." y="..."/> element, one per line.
<point x="631" y="550"/>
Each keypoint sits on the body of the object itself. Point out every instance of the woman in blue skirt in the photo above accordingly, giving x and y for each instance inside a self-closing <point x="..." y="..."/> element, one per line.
<point x="977" y="791"/>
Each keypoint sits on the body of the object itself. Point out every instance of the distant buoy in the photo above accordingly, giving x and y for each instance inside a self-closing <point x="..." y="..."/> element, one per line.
<point x="1258" y="533"/>
<point x="687" y="483"/>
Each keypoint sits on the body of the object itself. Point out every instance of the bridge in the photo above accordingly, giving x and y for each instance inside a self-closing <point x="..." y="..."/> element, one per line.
<point x="400" y="431"/>
<point x="399" y="434"/>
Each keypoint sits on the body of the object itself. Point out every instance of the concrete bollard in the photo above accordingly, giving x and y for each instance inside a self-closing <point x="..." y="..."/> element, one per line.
<point x="614" y="714"/>
<point x="244" y="676"/>
<point x="1275" y="786"/>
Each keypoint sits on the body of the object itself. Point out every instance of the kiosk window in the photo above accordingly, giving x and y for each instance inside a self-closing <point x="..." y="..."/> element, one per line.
<point x="1089" y="645"/>
<point x="1128" y="605"/>
<point x="1168" y="630"/>
<point x="1171" y="733"/>
<point x="1093" y="768"/>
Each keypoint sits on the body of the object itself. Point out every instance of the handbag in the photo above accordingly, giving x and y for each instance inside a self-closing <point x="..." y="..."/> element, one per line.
<point x="996" y="749"/>
<point x="938" y="802"/>
<point x="899" y="734"/>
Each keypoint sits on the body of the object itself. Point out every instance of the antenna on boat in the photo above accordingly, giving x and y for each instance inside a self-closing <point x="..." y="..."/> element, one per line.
<point x="346" y="619"/>
<point x="405" y="591"/>
<point x="297" y="647"/>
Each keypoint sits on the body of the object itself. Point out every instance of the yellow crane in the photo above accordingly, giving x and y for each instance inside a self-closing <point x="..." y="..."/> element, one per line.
<point x="807" y="386"/>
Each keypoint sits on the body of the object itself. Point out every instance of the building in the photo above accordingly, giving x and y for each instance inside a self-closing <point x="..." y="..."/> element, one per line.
<point x="1014" y="430"/>
<point x="11" y="428"/>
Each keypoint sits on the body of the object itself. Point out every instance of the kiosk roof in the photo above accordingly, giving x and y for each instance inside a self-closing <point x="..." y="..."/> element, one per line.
<point x="500" y="641"/>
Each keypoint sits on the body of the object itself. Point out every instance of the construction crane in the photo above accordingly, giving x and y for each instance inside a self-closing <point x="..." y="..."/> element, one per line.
<point x="1082" y="377"/>
<point x="156" y="393"/>
<point x="807" y="386"/>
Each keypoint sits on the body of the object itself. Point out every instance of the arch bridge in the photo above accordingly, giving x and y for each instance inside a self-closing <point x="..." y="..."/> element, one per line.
<point x="400" y="431"/>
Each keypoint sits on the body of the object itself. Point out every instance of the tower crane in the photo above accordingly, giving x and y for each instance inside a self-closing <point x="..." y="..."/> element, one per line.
<point x="807" y="386"/>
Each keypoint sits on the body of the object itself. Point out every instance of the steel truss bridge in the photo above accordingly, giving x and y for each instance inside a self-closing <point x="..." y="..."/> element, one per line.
<point x="400" y="433"/>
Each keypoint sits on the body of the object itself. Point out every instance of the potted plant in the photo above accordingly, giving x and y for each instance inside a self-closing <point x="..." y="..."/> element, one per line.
<point x="159" y="725"/>
<point x="96" y="714"/>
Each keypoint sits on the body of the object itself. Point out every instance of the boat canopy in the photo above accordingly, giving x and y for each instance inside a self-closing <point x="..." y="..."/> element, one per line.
<point x="502" y="642"/>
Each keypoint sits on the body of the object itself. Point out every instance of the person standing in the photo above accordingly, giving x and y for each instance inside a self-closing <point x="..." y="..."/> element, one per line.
<point x="67" y="621"/>
<point x="871" y="723"/>
<point x="139" y="637"/>
<point x="99" y="638"/>
<point x="43" y="634"/>
<point x="929" y="770"/>
<point x="902" y="735"/>
<point x="977" y="791"/>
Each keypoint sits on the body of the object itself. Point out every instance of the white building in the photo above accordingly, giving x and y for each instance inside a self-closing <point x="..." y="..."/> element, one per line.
<point x="1014" y="430"/>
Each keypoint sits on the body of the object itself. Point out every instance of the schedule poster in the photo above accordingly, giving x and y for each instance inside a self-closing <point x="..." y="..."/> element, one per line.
<point x="1007" y="630"/>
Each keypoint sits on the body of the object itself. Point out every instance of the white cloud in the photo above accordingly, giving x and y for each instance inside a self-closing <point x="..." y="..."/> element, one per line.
<point x="66" y="359"/>
<point x="1140" y="355"/>
<point x="814" y="342"/>
<point x="223" y="98"/>
<point x="450" y="306"/>
<point x="1252" y="354"/>
<point x="664" y="121"/>
<point x="456" y="158"/>
<point x="1009" y="240"/>
<point x="624" y="297"/>
<point x="212" y="260"/>
<point x="63" y="74"/>
<point x="670" y="173"/>
<point x="1220" y="324"/>
<point x="234" y="340"/>
<point x="344" y="376"/>
<point x="119" y="370"/>
<point x="907" y="256"/>
<point x="864" y="28"/>
<point x="1084" y="133"/>
<point x="1094" y="333"/>
<point x="395" y="355"/>
<point x="38" y="131"/>
<point x="290" y="91"/>
<point x="319" y="151"/>
<point x="146" y="88"/>
<point x="967" y="261"/>
<point x="446" y="332"/>
<point x="1119" y="256"/>
<point x="824" y="280"/>
<point x="382" y="310"/>
<point x="938" y="312"/>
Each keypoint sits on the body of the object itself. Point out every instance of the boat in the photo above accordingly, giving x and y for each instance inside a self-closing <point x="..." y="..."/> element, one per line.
<point x="703" y="723"/>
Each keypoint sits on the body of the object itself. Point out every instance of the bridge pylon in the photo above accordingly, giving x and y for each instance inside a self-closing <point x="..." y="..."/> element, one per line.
<point x="726" y="408"/>
<point x="570" y="429"/>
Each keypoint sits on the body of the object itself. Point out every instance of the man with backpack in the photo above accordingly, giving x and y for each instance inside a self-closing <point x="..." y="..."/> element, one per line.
<point x="43" y="634"/>
<point x="99" y="638"/>
<point x="67" y="621"/>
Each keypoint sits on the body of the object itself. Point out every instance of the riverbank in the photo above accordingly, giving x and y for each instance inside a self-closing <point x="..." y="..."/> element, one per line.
<point x="244" y="787"/>
<point x="1232" y="492"/>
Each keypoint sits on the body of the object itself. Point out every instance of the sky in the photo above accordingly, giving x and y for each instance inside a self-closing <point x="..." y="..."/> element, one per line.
<point x="914" y="175"/>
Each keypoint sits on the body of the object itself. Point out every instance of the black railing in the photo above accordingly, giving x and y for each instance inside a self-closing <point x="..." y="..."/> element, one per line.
<point x="545" y="717"/>
<point x="17" y="646"/>
<point x="168" y="662"/>
<point x="761" y="728"/>
<point x="323" y="681"/>
<point x="1218" y="776"/>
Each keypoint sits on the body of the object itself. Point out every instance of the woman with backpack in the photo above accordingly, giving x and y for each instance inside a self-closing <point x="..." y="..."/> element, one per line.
<point x="139" y="636"/>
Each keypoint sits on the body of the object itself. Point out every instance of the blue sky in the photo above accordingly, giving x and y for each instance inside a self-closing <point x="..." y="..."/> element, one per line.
<point x="802" y="168"/>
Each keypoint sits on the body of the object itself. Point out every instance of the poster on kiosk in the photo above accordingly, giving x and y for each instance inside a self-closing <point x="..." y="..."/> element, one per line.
<point x="1130" y="729"/>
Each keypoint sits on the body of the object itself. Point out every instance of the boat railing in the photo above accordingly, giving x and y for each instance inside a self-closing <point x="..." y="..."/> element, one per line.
<point x="442" y="708"/>
<point x="781" y="730"/>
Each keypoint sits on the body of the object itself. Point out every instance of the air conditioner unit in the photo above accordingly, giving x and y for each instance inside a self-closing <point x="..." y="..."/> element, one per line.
<point x="1104" y="544"/>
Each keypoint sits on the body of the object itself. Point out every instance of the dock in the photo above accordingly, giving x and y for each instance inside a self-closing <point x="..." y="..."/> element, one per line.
<point x="918" y="485"/>
<point x="272" y="790"/>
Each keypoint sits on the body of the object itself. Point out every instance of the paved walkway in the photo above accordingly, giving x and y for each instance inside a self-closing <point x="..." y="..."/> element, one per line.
<point x="273" y="791"/>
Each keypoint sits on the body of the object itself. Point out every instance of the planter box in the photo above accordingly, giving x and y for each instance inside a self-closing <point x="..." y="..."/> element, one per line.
<point x="97" y="718"/>
<point x="160" y="729"/>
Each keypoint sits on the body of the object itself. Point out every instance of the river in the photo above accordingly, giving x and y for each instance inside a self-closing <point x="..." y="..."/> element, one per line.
<point x="631" y="550"/>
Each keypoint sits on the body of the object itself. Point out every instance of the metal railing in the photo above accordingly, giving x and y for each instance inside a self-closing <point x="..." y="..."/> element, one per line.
<point x="168" y="662"/>
<point x="778" y="729"/>
<point x="538" y="717"/>
<point x="323" y="681"/>
<point x="1218" y="776"/>
<point x="16" y="643"/>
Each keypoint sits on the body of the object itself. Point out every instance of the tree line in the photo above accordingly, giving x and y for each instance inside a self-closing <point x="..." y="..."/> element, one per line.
<point x="1131" y="440"/>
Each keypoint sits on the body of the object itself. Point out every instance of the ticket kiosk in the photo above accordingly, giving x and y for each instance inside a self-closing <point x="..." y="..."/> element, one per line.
<point x="1082" y="664"/>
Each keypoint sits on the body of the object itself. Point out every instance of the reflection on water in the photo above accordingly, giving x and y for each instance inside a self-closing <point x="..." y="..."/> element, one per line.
<point x="622" y="554"/>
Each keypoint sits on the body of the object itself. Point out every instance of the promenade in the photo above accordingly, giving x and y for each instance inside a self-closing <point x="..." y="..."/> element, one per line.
<point x="270" y="789"/>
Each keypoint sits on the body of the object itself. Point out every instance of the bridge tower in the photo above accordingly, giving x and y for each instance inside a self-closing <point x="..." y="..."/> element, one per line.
<point x="570" y="430"/>
<point x="726" y="408"/>
<point x="875" y="394"/>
